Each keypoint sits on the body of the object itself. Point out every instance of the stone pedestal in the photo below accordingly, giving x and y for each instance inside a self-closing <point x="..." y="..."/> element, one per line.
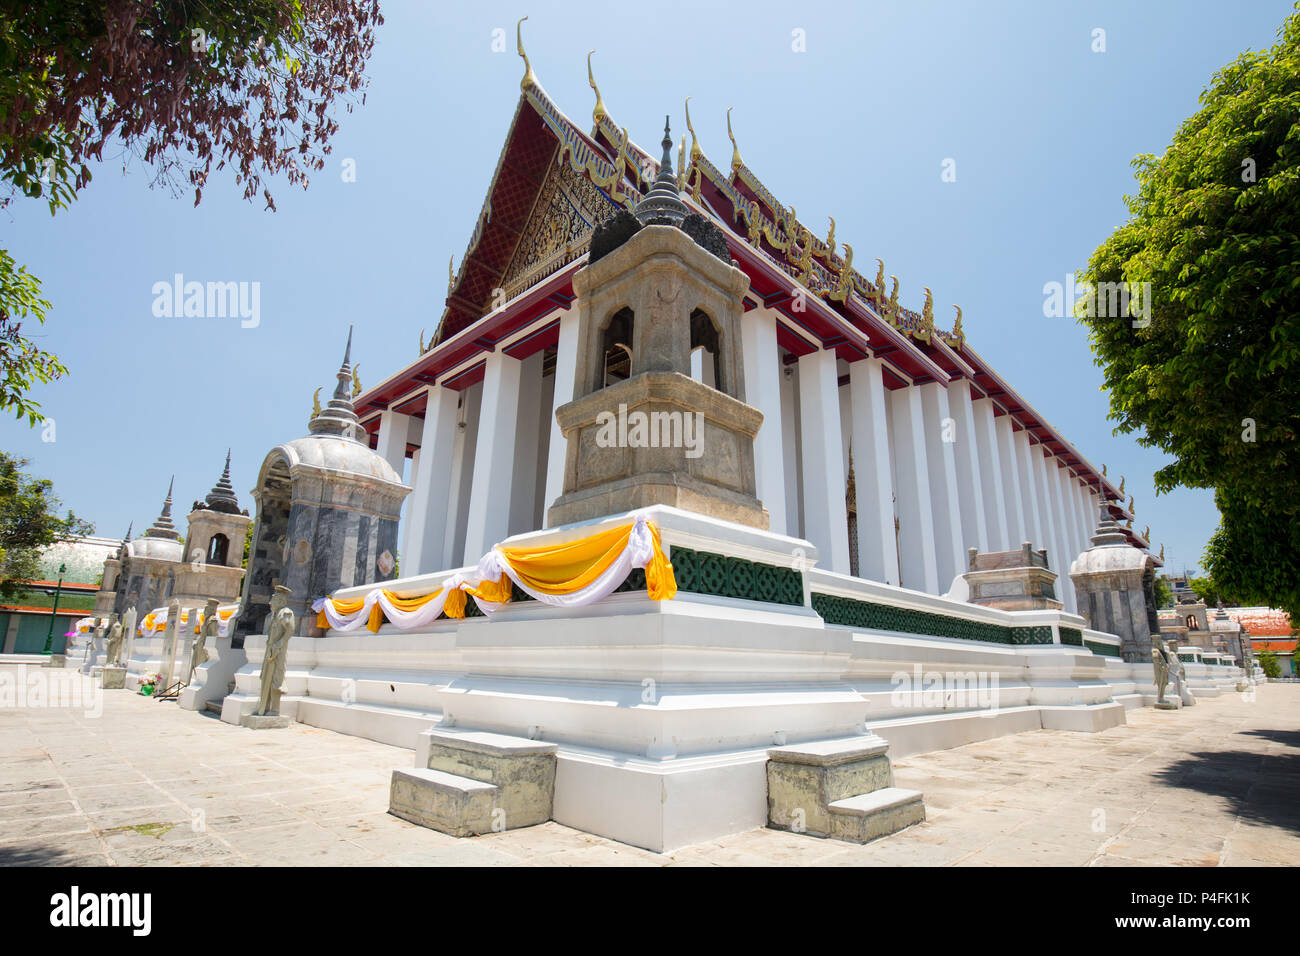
<point x="114" y="678"/>
<point x="265" y="721"/>
<point x="1012" y="580"/>
<point x="56" y="660"/>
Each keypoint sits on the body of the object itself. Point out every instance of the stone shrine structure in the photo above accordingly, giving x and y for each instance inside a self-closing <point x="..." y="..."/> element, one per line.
<point x="327" y="511"/>
<point x="1116" y="583"/>
<point x="649" y="303"/>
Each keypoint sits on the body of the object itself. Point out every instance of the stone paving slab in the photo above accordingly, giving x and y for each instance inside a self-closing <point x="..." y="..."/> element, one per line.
<point x="143" y="783"/>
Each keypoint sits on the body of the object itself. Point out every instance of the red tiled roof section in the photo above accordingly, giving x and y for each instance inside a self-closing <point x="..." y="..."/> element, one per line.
<point x="530" y="150"/>
<point x="1262" y="622"/>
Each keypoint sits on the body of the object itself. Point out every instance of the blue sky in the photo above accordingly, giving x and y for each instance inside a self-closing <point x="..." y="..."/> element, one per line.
<point x="1042" y="130"/>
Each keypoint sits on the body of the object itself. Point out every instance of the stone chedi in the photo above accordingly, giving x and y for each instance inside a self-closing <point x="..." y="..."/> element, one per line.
<point x="640" y="430"/>
<point x="327" y="512"/>
<point x="1115" y="584"/>
<point x="1012" y="580"/>
<point x="161" y="565"/>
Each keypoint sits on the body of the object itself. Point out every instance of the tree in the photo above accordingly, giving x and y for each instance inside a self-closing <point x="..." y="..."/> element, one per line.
<point x="29" y="522"/>
<point x="1268" y="663"/>
<point x="187" y="88"/>
<point x="1206" y="366"/>
<point x="1164" y="594"/>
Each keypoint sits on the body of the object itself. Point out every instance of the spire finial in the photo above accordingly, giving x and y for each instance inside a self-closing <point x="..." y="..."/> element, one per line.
<point x="530" y="78"/>
<point x="663" y="204"/>
<point x="339" y="417"/>
<point x="222" y="496"/>
<point x="163" y="527"/>
<point x="598" y="112"/>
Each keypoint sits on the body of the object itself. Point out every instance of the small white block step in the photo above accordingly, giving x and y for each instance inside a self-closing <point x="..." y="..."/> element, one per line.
<point x="829" y="753"/>
<point x="878" y="801"/>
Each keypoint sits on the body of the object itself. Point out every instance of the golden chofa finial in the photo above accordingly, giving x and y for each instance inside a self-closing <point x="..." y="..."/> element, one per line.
<point x="830" y="238"/>
<point x="451" y="274"/>
<point x="1103" y="469"/>
<point x="681" y="165"/>
<point x="957" y="332"/>
<point x="1121" y="487"/>
<point x="530" y="78"/>
<point x="696" y="152"/>
<point x="736" y="161"/>
<point x="598" y="111"/>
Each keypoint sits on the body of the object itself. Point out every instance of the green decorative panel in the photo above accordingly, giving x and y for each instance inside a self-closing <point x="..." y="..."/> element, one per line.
<point x="703" y="572"/>
<point x="1187" y="658"/>
<point x="851" y="612"/>
<point x="1105" y="650"/>
<point x="1071" y="635"/>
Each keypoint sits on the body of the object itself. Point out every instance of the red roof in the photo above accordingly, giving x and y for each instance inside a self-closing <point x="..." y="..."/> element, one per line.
<point x="1281" y="647"/>
<point x="1262" y="621"/>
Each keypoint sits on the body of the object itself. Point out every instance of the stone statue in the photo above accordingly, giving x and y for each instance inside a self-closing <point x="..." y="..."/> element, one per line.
<point x="199" y="649"/>
<point x="96" y="643"/>
<point x="113" y="658"/>
<point x="1178" y="670"/>
<point x="128" y="633"/>
<point x="281" y="628"/>
<point x="1162" y="671"/>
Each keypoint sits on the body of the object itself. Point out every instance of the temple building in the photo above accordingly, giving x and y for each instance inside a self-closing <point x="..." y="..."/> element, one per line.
<point x="159" y="565"/>
<point x="946" y="455"/>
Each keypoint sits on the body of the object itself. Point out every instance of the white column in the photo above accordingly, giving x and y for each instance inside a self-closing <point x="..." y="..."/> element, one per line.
<point x="566" y="366"/>
<point x="1074" y="508"/>
<point x="790" y="446"/>
<point x="1064" y="541"/>
<point x="990" y="468"/>
<point x="1029" y="510"/>
<point x="524" y="483"/>
<point x="1012" y="494"/>
<point x="462" y="471"/>
<point x="873" y="479"/>
<point x="1051" y="539"/>
<point x="394" y="430"/>
<point x="762" y="364"/>
<point x="912" y="485"/>
<point x="427" y="512"/>
<point x="940" y="437"/>
<point x="489" y="495"/>
<point x="826" y="520"/>
<point x="407" y="562"/>
<point x="970" y="477"/>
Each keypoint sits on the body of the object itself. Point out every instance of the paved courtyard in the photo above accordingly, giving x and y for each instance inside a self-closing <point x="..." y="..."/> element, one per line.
<point x="146" y="783"/>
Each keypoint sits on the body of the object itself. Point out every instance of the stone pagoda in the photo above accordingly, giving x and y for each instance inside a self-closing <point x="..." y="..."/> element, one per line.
<point x="1115" y="585"/>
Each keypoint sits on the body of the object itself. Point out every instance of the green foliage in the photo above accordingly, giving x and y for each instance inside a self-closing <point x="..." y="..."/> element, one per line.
<point x="1206" y="589"/>
<point x="22" y="364"/>
<point x="187" y="88"/>
<point x="1213" y="228"/>
<point x="1269" y="664"/>
<point x="29" y="521"/>
<point x="1164" y="594"/>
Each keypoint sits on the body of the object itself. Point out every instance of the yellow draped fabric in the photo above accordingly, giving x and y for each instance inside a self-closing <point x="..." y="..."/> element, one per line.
<point x="548" y="570"/>
<point x="565" y="568"/>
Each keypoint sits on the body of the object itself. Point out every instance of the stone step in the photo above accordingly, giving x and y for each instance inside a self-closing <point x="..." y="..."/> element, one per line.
<point x="870" y="816"/>
<point x="213" y="707"/>
<point x="523" y="769"/>
<point x="444" y="802"/>
<point x="828" y="788"/>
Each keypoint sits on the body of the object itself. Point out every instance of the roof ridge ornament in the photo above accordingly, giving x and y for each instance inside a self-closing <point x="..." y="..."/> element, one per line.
<point x="163" y="527"/>
<point x="736" y="162"/>
<point x="530" y="78"/>
<point x="598" y="112"/>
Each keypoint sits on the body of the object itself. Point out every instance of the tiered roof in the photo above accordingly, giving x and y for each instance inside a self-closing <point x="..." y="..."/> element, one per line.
<point x="506" y="280"/>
